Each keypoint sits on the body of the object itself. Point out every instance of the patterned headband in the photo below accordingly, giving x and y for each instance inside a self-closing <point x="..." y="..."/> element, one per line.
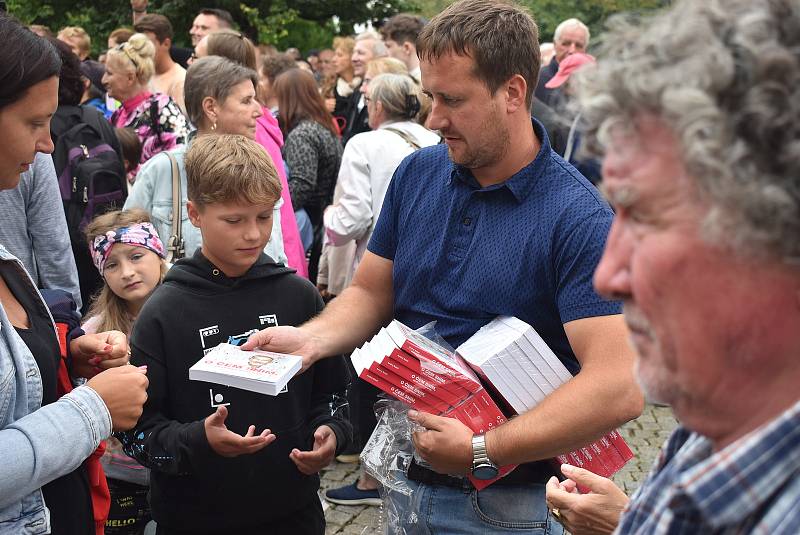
<point x="139" y="235"/>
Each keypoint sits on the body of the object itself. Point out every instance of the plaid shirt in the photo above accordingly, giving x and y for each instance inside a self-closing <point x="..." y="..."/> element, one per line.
<point x="751" y="486"/>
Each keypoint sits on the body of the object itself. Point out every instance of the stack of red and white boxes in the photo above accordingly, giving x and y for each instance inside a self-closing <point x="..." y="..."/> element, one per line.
<point x="511" y="358"/>
<point x="408" y="366"/>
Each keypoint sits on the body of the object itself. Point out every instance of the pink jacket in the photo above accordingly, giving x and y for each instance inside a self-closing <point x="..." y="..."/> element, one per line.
<point x="269" y="135"/>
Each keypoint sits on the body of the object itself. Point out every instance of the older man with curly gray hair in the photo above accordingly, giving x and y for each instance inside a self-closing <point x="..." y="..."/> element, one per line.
<point x="698" y="116"/>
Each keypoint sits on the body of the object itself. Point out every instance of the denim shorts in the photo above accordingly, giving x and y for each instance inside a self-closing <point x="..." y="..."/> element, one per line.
<point x="435" y="509"/>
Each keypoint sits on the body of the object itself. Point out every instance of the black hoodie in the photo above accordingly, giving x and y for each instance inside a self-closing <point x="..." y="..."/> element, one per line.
<point x="196" y="308"/>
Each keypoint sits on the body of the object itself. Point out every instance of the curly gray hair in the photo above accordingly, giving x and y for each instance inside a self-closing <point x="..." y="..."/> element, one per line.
<point x="724" y="75"/>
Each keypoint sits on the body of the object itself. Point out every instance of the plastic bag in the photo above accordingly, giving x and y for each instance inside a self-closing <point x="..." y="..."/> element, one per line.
<point x="450" y="386"/>
<point x="389" y="450"/>
<point x="386" y="457"/>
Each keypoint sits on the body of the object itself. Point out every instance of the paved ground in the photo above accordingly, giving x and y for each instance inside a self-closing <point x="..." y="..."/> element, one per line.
<point x="645" y="436"/>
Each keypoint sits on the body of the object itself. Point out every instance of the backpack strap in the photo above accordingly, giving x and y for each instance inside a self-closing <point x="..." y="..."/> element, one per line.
<point x="407" y="138"/>
<point x="175" y="245"/>
<point x="63" y="119"/>
<point x="92" y="120"/>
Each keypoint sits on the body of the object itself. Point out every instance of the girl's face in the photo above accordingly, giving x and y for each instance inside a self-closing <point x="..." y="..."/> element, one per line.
<point x="132" y="273"/>
<point x="239" y="112"/>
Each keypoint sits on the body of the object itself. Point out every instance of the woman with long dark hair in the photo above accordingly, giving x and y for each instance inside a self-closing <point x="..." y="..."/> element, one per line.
<point x="47" y="428"/>
<point x="312" y="150"/>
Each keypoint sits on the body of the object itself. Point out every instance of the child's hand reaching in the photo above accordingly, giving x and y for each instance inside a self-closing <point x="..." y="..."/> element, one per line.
<point x="321" y="454"/>
<point x="229" y="444"/>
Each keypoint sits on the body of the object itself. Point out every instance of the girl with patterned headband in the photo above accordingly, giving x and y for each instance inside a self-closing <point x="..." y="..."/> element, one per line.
<point x="129" y="255"/>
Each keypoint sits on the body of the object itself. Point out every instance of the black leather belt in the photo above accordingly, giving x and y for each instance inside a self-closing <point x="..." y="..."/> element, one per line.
<point x="525" y="474"/>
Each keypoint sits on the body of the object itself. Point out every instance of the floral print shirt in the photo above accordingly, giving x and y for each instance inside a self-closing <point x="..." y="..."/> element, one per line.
<point x="169" y="129"/>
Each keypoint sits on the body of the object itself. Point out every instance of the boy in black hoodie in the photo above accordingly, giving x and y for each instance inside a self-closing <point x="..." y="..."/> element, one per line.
<point x="211" y="472"/>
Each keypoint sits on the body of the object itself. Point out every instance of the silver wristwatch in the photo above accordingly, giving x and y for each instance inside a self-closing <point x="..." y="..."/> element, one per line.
<point x="482" y="467"/>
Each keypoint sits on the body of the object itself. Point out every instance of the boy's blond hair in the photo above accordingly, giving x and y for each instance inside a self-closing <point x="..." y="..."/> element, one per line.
<point x="226" y="168"/>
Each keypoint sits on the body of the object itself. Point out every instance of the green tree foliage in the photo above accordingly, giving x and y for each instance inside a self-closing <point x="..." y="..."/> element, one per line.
<point x="272" y="26"/>
<point x="304" y="24"/>
<point x="301" y="23"/>
<point x="594" y="13"/>
<point x="549" y="13"/>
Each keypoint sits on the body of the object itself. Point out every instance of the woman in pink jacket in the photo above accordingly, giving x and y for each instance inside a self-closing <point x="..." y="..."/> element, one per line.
<point x="269" y="135"/>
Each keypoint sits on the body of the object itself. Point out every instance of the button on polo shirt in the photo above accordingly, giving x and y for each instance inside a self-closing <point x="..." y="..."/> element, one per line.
<point x="463" y="254"/>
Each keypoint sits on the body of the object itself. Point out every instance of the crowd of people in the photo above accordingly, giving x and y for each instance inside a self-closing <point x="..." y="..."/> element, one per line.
<point x="158" y="201"/>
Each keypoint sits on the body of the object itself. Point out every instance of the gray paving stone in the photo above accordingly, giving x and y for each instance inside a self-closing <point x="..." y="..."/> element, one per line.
<point x="334" y="516"/>
<point x="369" y="516"/>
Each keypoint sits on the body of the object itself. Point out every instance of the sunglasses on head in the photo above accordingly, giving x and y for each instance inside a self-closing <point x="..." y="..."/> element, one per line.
<point x="121" y="48"/>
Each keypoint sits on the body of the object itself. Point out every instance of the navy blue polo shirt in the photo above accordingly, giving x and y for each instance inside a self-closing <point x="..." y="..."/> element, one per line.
<point x="463" y="254"/>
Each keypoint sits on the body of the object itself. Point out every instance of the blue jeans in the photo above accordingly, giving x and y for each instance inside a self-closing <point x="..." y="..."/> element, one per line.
<point x="434" y="509"/>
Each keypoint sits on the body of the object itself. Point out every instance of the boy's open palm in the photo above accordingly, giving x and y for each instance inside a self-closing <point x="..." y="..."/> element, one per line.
<point x="321" y="454"/>
<point x="229" y="444"/>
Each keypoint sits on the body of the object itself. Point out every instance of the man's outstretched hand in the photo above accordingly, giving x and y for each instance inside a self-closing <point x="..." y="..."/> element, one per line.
<point x="290" y="340"/>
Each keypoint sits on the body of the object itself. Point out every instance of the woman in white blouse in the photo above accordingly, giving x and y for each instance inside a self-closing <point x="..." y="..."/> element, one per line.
<point x="368" y="163"/>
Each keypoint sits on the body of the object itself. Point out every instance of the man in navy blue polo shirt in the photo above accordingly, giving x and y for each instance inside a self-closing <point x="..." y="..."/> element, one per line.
<point x="490" y="223"/>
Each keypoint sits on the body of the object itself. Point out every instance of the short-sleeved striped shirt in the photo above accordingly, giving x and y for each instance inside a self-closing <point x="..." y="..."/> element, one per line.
<point x="751" y="486"/>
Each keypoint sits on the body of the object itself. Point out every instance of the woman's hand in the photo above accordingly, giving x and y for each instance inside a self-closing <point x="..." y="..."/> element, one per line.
<point x="124" y="391"/>
<point x="93" y="353"/>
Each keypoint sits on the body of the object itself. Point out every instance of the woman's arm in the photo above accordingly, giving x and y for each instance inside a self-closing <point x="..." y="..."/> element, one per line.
<point x="47" y="227"/>
<point x="142" y="193"/>
<point x="50" y="442"/>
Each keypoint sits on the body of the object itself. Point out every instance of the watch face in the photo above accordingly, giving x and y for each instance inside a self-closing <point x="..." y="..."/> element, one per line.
<point x="484" y="471"/>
